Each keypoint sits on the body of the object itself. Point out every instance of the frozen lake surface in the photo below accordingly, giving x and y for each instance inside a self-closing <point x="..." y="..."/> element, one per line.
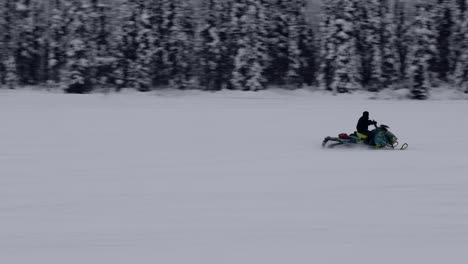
<point x="230" y="177"/>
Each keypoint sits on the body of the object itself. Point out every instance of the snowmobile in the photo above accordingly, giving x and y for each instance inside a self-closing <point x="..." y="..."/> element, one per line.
<point x="379" y="138"/>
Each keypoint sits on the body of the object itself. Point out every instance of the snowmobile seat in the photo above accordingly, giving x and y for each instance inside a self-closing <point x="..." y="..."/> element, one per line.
<point x="360" y="135"/>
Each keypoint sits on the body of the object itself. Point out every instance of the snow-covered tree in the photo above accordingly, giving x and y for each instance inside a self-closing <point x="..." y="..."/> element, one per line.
<point x="374" y="48"/>
<point x="177" y="34"/>
<point x="215" y="58"/>
<point x="290" y="44"/>
<point x="28" y="57"/>
<point x="309" y="54"/>
<point x="127" y="45"/>
<point x="249" y="24"/>
<point x="423" y="52"/>
<point x="339" y="65"/>
<point x="11" y="74"/>
<point x="402" y="39"/>
<point x="376" y="52"/>
<point x="79" y="67"/>
<point x="57" y="40"/>
<point x="3" y="47"/>
<point x="461" y="74"/>
<point x="364" y="32"/>
<point x="462" y="6"/>
<point x="327" y="45"/>
<point x="102" y="55"/>
<point x="136" y="45"/>
<point x="345" y="77"/>
<point x="444" y="24"/>
<point x="388" y="61"/>
<point x="8" y="34"/>
<point x="146" y="49"/>
<point x="461" y="46"/>
<point x="278" y="42"/>
<point x="300" y="46"/>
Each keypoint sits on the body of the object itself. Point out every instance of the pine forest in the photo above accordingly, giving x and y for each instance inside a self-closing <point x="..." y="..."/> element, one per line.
<point x="82" y="46"/>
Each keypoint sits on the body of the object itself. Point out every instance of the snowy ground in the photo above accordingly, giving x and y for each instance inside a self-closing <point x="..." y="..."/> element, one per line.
<point x="228" y="178"/>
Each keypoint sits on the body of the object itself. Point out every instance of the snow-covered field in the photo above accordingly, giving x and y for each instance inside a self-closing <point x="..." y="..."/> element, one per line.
<point x="227" y="178"/>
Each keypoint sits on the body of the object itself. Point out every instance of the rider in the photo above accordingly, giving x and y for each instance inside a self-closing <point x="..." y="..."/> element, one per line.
<point x="364" y="123"/>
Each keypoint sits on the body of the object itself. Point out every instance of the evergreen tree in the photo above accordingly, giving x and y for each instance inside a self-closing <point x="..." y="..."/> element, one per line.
<point x="366" y="42"/>
<point x="136" y="45"/>
<point x="388" y="60"/>
<point x="249" y="23"/>
<point x="363" y="31"/>
<point x="444" y="24"/>
<point x="145" y="49"/>
<point x="308" y="48"/>
<point x="3" y="45"/>
<point x="8" y="65"/>
<point x="461" y="47"/>
<point x="376" y="44"/>
<point x="327" y="45"/>
<point x="216" y="65"/>
<point x="102" y="56"/>
<point x="278" y="42"/>
<point x="291" y="47"/>
<point x="158" y="69"/>
<point x="375" y="38"/>
<point x="300" y="46"/>
<point x="28" y="57"/>
<point x="461" y="75"/>
<point x="11" y="74"/>
<point x="127" y="45"/>
<point x="460" y="44"/>
<point x="346" y="76"/>
<point x="79" y="68"/>
<point x="56" y="40"/>
<point x="423" y="51"/>
<point x="462" y="6"/>
<point x="402" y="39"/>
<point x="339" y="67"/>
<point x="178" y="34"/>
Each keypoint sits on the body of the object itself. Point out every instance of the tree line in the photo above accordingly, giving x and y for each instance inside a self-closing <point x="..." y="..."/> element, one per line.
<point x="84" y="45"/>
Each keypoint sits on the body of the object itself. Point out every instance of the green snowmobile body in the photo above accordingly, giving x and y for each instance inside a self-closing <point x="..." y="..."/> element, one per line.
<point x="380" y="137"/>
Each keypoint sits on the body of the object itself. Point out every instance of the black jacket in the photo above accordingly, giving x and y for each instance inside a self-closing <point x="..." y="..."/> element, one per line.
<point x="363" y="124"/>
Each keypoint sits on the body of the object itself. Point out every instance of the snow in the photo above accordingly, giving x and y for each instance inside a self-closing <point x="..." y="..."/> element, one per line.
<point x="229" y="177"/>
